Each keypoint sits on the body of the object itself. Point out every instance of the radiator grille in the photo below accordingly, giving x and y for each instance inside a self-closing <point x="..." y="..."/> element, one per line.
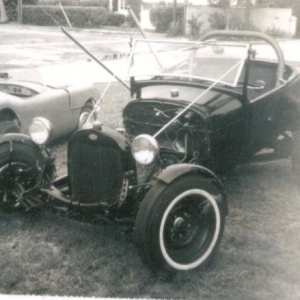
<point x="95" y="172"/>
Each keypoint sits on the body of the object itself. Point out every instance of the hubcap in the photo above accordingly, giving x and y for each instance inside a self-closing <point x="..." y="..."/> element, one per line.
<point x="83" y="118"/>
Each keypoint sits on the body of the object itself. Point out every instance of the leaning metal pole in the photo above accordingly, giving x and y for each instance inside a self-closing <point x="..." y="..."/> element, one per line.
<point x="144" y="35"/>
<point x="95" y="58"/>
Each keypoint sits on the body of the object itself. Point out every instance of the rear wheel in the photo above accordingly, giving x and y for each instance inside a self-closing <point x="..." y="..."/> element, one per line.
<point x="179" y="226"/>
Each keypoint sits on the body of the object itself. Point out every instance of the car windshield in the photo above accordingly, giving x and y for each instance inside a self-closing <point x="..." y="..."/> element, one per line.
<point x="202" y="61"/>
<point x="16" y="74"/>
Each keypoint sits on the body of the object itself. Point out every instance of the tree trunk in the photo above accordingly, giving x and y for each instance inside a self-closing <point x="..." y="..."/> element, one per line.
<point x="3" y="15"/>
<point x="20" y="11"/>
<point x="173" y="27"/>
<point x="247" y="14"/>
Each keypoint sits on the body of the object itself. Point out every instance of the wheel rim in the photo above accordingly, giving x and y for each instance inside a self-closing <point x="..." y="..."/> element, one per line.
<point x="83" y="118"/>
<point x="15" y="179"/>
<point x="189" y="229"/>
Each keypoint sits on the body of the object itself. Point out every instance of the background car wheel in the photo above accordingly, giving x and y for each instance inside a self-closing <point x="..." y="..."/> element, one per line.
<point x="296" y="161"/>
<point x="85" y="112"/>
<point x="9" y="127"/>
<point x="18" y="173"/>
<point x="179" y="226"/>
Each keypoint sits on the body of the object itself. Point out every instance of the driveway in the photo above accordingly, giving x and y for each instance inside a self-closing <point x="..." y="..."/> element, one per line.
<point x="62" y="62"/>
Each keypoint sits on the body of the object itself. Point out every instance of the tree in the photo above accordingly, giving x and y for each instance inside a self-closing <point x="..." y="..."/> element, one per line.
<point x="247" y="13"/>
<point x="3" y="15"/>
<point x="277" y="3"/>
<point x="225" y="5"/>
<point x="136" y="7"/>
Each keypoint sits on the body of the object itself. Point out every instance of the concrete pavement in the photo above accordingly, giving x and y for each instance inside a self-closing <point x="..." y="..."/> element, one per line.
<point x="59" y="59"/>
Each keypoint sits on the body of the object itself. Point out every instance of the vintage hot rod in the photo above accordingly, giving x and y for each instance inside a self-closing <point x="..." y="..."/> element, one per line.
<point x="218" y="106"/>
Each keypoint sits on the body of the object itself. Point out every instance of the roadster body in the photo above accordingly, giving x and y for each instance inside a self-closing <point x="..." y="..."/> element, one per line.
<point x="188" y="122"/>
<point x="24" y="96"/>
<point x="245" y="115"/>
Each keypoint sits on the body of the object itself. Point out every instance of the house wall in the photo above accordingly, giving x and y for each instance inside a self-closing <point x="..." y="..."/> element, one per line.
<point x="263" y="18"/>
<point x="274" y="18"/>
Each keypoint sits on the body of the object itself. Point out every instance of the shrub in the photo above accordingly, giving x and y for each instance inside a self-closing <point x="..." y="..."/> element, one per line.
<point x="217" y="21"/>
<point x="115" y="19"/>
<point x="276" y="32"/>
<point x="85" y="17"/>
<point x="98" y="3"/>
<point x="235" y="23"/>
<point x="11" y="8"/>
<point x="195" y="26"/>
<point x="162" y="16"/>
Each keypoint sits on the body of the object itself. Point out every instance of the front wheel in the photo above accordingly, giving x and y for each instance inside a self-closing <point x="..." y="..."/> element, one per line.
<point x="85" y="116"/>
<point x="179" y="226"/>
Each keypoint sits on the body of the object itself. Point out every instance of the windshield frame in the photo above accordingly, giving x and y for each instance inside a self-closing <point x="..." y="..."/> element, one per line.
<point x="194" y="47"/>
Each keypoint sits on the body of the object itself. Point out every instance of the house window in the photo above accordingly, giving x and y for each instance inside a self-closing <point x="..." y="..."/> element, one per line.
<point x="119" y="5"/>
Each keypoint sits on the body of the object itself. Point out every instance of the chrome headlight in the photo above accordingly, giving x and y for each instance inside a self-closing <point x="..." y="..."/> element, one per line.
<point x="145" y="149"/>
<point x="40" y="130"/>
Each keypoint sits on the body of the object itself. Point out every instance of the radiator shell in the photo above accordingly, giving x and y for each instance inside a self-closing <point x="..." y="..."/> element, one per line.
<point x="97" y="162"/>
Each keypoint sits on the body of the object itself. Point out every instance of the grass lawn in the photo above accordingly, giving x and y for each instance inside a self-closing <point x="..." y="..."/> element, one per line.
<point x="259" y="256"/>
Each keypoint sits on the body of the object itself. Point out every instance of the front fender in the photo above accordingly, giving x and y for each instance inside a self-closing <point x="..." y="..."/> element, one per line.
<point x="175" y="171"/>
<point x="16" y="137"/>
<point x="44" y="159"/>
<point x="79" y="94"/>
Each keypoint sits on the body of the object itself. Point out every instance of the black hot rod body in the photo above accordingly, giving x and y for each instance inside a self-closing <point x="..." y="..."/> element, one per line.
<point x="184" y="126"/>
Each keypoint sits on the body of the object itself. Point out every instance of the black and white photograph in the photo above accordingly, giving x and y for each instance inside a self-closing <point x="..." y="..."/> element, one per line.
<point x="150" y="149"/>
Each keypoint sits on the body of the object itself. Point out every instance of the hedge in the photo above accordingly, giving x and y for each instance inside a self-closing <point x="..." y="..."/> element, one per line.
<point x="162" y="16"/>
<point x="99" y="3"/>
<point x="115" y="19"/>
<point x="81" y="17"/>
<point x="11" y="8"/>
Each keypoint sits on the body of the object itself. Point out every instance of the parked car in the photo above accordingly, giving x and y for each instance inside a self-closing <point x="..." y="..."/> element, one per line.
<point x="24" y="97"/>
<point x="206" y="107"/>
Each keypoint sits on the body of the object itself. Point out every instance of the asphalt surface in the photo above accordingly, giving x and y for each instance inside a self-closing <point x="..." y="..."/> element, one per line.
<point x="59" y="59"/>
<point x="62" y="62"/>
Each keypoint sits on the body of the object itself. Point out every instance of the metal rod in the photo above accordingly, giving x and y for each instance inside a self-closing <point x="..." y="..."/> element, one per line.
<point x="97" y="105"/>
<point x="144" y="35"/>
<point x="95" y="58"/>
<point x="65" y="15"/>
<point x="95" y="109"/>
